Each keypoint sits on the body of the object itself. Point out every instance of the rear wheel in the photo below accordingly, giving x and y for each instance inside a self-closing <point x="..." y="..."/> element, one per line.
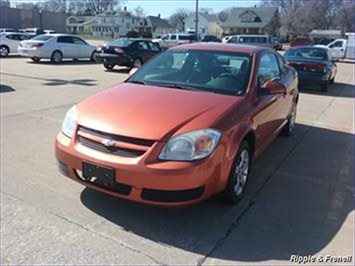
<point x="109" y="66"/>
<point x="4" y="51"/>
<point x="35" y="59"/>
<point x="239" y="174"/>
<point x="137" y="63"/>
<point x="56" y="57"/>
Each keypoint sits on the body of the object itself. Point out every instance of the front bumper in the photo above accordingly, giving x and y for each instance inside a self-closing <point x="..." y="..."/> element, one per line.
<point x="120" y="60"/>
<point x="144" y="180"/>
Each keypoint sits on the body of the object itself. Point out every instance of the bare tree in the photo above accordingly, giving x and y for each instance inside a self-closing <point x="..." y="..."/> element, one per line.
<point x="55" y="5"/>
<point x="224" y="14"/>
<point x="177" y="20"/>
<point x="138" y="12"/>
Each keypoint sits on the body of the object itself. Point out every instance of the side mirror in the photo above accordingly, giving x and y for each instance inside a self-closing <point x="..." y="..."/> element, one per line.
<point x="132" y="71"/>
<point x="274" y="87"/>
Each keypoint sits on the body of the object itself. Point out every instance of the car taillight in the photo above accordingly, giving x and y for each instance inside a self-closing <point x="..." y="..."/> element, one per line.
<point x="37" y="45"/>
<point x="119" y="50"/>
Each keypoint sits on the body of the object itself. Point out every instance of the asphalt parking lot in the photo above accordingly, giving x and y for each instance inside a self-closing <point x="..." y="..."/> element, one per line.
<point x="300" y="199"/>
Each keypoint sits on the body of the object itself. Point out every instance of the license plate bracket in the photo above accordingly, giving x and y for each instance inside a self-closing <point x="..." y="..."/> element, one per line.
<point x="100" y="175"/>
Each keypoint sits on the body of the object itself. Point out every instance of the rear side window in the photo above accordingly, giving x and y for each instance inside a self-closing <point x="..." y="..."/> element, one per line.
<point x="78" y="41"/>
<point x="185" y="37"/>
<point x="153" y="46"/>
<point x="142" y="46"/>
<point x="65" y="39"/>
<point x="173" y="37"/>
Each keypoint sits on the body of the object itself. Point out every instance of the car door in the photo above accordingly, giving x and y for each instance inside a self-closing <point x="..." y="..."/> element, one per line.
<point x="337" y="49"/>
<point x="270" y="111"/>
<point x="143" y="50"/>
<point x="65" y="45"/>
<point x="12" y="42"/>
<point x="83" y="49"/>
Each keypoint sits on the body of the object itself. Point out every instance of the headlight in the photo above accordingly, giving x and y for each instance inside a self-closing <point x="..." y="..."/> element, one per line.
<point x="191" y="146"/>
<point x="69" y="123"/>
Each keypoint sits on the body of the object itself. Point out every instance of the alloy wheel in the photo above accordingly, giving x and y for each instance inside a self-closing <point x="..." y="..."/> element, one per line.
<point x="241" y="172"/>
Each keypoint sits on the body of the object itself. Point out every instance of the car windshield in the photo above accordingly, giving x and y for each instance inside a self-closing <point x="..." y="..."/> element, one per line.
<point x="121" y="42"/>
<point x="212" y="71"/>
<point x="306" y="53"/>
<point x="42" y="38"/>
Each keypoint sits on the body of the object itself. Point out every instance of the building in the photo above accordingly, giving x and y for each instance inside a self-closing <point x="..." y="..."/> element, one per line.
<point x="105" y="24"/>
<point x="154" y="25"/>
<point x="252" y="20"/>
<point x="80" y="24"/>
<point x="207" y="24"/>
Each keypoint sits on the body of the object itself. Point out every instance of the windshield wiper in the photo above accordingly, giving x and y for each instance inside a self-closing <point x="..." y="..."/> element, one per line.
<point x="137" y="82"/>
<point x="177" y="86"/>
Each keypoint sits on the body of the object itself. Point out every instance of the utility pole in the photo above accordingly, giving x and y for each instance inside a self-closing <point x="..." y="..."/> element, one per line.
<point x="112" y="24"/>
<point x="196" y="19"/>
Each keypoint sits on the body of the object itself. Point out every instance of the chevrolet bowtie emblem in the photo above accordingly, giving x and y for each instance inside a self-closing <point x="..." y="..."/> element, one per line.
<point x="108" y="142"/>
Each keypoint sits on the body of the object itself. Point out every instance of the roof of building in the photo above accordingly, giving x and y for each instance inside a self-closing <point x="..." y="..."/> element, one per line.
<point x="158" y="22"/>
<point x="264" y="13"/>
<point x="209" y="17"/>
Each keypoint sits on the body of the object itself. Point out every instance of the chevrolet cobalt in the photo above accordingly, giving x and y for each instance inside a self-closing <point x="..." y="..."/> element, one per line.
<point x="183" y="127"/>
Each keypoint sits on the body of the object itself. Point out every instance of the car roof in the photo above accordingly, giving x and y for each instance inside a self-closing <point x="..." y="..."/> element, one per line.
<point x="309" y="46"/>
<point x="227" y="47"/>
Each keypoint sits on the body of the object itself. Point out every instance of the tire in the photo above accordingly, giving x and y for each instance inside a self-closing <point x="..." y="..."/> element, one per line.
<point x="92" y="58"/>
<point x="288" y="130"/>
<point x="137" y="63"/>
<point x="4" y="51"/>
<point x="109" y="66"/>
<point x="35" y="59"/>
<point x="239" y="175"/>
<point x="324" y="87"/>
<point x="56" y="57"/>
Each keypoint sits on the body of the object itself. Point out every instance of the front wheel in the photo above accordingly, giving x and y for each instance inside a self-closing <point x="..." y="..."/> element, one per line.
<point x="56" y="57"/>
<point x="4" y="51"/>
<point x="109" y="66"/>
<point x="239" y="175"/>
<point x="35" y="59"/>
<point x="93" y="55"/>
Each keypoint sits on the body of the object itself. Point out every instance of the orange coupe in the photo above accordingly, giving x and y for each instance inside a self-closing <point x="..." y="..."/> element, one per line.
<point x="183" y="127"/>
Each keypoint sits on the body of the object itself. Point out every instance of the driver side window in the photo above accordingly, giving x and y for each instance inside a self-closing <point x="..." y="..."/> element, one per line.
<point x="268" y="68"/>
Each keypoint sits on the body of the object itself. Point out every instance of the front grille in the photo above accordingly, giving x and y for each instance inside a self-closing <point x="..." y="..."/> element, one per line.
<point x="63" y="168"/>
<point x="172" y="195"/>
<point x="92" y="139"/>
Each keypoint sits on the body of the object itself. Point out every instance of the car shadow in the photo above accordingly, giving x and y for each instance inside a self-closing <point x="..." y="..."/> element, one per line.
<point x="337" y="89"/>
<point x="297" y="200"/>
<point x="5" y="88"/>
<point x="60" y="82"/>
<point x="64" y="62"/>
<point x="119" y="70"/>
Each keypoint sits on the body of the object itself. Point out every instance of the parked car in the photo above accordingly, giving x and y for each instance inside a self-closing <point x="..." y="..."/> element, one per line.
<point x="209" y="38"/>
<point x="226" y="38"/>
<point x="277" y="44"/>
<point x="7" y="30"/>
<point x="314" y="65"/>
<point x="183" y="127"/>
<point x="49" y="31"/>
<point x="126" y="52"/>
<point x="57" y="47"/>
<point x="300" y="42"/>
<point x="34" y="31"/>
<point x="170" y="40"/>
<point x="257" y="40"/>
<point x="9" y="41"/>
<point x="342" y="48"/>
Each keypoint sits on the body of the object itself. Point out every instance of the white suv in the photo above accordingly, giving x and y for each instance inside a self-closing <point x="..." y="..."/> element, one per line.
<point x="170" y="40"/>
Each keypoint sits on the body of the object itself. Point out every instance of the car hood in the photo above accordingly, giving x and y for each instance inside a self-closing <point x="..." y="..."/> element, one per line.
<point x="151" y="112"/>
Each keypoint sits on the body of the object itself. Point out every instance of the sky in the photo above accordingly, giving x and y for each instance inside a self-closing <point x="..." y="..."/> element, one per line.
<point x="167" y="7"/>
